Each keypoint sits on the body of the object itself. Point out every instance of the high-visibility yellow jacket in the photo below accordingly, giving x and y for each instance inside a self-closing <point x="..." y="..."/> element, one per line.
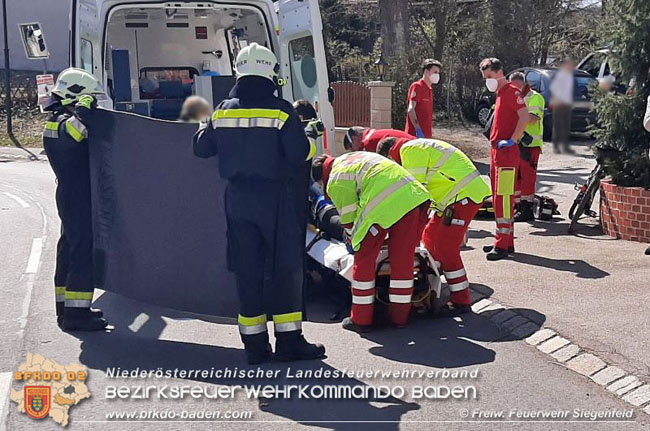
<point x="535" y="103"/>
<point x="447" y="173"/>
<point x="369" y="189"/>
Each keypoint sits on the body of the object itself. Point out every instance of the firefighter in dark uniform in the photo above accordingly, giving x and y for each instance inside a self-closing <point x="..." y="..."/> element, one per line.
<point x="64" y="139"/>
<point x="261" y="146"/>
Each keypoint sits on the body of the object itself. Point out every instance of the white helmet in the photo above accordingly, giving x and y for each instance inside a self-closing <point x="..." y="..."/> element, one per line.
<point x="257" y="60"/>
<point x="73" y="83"/>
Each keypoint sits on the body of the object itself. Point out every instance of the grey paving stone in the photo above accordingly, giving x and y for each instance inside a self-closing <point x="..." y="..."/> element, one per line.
<point x="525" y="330"/>
<point x="639" y="396"/>
<point x="540" y="336"/>
<point x="608" y="375"/>
<point x="513" y="323"/>
<point x="566" y="353"/>
<point x="500" y="318"/>
<point x="586" y="364"/>
<point x="625" y="385"/>
<point x="555" y="343"/>
<point x="481" y="304"/>
<point x="491" y="310"/>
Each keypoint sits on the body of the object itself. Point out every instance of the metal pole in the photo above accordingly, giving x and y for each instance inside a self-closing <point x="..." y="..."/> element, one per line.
<point x="8" y="103"/>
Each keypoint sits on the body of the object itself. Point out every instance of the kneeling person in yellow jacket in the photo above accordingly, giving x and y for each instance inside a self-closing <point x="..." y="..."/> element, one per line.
<point x="375" y="198"/>
<point x="456" y="191"/>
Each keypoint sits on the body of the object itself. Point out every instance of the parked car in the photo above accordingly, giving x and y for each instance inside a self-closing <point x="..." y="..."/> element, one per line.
<point x="539" y="79"/>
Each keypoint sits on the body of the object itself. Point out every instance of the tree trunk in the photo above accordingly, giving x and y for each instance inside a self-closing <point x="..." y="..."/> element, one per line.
<point x="440" y="16"/>
<point x="394" y="21"/>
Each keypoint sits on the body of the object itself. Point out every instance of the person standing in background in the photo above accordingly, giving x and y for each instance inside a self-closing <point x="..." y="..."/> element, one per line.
<point x="530" y="150"/>
<point x="562" y="104"/>
<point x="419" y="113"/>
<point x="510" y="121"/>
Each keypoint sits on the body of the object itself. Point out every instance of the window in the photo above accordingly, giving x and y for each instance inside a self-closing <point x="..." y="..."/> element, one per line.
<point x="304" y="79"/>
<point x="581" y="88"/>
<point x="166" y="82"/>
<point x="86" y="49"/>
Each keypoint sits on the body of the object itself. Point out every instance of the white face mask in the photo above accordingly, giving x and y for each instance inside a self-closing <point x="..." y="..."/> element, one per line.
<point x="435" y="78"/>
<point x="492" y="84"/>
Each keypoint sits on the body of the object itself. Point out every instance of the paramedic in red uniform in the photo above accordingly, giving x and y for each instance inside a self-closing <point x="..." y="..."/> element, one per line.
<point x="419" y="111"/>
<point x="363" y="139"/>
<point x="510" y="121"/>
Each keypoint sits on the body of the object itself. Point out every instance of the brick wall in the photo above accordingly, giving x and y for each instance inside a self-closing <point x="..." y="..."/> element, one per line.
<point x="625" y="212"/>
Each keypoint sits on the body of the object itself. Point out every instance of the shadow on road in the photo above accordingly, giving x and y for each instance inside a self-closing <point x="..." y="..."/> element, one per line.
<point x="579" y="267"/>
<point x="449" y="342"/>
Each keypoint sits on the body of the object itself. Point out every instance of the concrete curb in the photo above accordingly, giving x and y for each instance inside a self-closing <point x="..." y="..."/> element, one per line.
<point x="624" y="385"/>
<point x="13" y="153"/>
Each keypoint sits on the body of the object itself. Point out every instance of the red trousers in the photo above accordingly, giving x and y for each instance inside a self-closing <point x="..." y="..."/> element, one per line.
<point x="527" y="178"/>
<point x="444" y="243"/>
<point x="403" y="237"/>
<point x="503" y="175"/>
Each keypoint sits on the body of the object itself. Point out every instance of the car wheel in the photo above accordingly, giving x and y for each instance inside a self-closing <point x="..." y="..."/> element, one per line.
<point x="482" y="114"/>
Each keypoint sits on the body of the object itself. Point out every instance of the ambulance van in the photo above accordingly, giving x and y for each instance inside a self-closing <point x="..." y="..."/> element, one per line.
<point x="151" y="55"/>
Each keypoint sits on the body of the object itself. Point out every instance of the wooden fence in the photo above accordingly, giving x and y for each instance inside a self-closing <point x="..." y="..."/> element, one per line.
<point x="352" y="104"/>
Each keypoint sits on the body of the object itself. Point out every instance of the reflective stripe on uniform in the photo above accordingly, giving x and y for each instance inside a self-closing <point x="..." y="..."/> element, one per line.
<point x="288" y="322"/>
<point x="446" y="155"/>
<point x="78" y="299"/>
<point x="417" y="171"/>
<point x="239" y="118"/>
<point x="459" y="286"/>
<point x="312" y="148"/>
<point x="59" y="293"/>
<point x="349" y="209"/>
<point x="401" y="284"/>
<point x="343" y="176"/>
<point x="399" y="299"/>
<point x="363" y="285"/>
<point x="457" y="188"/>
<point x="504" y="231"/>
<point x="363" y="300"/>
<point x="379" y="198"/>
<point x="450" y="275"/>
<point x="76" y="129"/>
<point x="504" y="220"/>
<point x="252" y="325"/>
<point x="51" y="130"/>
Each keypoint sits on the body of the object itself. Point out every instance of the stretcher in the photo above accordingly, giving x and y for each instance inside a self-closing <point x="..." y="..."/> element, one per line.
<point x="429" y="297"/>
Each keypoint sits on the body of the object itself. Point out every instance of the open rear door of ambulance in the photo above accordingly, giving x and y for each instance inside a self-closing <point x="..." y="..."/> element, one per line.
<point x="303" y="60"/>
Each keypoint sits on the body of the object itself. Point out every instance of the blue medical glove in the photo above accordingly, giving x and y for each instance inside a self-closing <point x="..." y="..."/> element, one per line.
<point x="505" y="143"/>
<point x="419" y="133"/>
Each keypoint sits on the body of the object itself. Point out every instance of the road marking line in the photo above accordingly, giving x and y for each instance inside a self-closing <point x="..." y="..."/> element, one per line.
<point x="5" y="386"/>
<point x="21" y="202"/>
<point x="34" y="256"/>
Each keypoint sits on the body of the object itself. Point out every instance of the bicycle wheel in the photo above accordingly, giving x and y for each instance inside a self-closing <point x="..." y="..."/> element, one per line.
<point x="586" y="200"/>
<point x="575" y="203"/>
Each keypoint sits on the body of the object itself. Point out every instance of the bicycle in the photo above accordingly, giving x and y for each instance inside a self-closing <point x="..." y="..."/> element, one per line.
<point x="586" y="193"/>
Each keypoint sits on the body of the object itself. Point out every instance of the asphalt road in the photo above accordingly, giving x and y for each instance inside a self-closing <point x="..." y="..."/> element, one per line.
<point x="511" y="373"/>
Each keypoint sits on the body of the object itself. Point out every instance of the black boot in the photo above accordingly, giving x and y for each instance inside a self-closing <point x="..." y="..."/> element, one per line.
<point x="525" y="212"/>
<point x="489" y="248"/>
<point x="497" y="254"/>
<point x="257" y="348"/>
<point x="348" y="324"/>
<point x="647" y="251"/>
<point x="292" y="346"/>
<point x="59" y="315"/>
<point x="82" y="319"/>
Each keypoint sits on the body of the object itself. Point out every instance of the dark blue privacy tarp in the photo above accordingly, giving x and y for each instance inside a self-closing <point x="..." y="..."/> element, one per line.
<point x="159" y="223"/>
